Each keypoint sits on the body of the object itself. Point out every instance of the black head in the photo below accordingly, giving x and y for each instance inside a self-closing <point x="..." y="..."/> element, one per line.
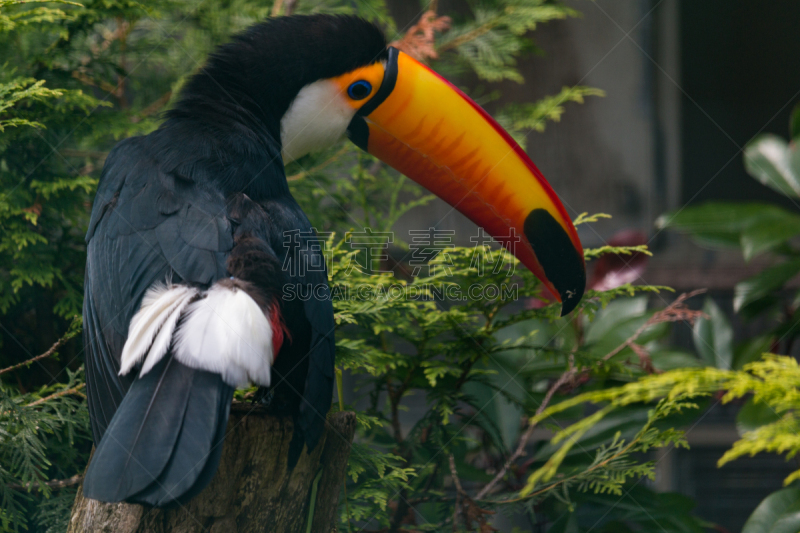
<point x="253" y="79"/>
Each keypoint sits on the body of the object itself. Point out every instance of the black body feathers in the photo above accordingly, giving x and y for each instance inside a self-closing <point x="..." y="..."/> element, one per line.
<point x="203" y="198"/>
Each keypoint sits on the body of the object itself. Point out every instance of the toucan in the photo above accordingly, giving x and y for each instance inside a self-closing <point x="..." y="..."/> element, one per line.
<point x="194" y="236"/>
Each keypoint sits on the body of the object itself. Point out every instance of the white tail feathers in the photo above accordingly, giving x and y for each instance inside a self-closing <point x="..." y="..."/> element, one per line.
<point x="226" y="332"/>
<point x="150" y="332"/>
<point x="223" y="330"/>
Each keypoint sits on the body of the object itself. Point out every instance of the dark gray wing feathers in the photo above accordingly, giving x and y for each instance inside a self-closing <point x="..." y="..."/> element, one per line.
<point x="148" y="227"/>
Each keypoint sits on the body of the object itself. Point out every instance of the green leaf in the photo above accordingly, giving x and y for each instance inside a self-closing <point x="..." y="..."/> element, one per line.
<point x="773" y="509"/>
<point x="788" y="523"/>
<point x="644" y="511"/>
<point x="568" y="523"/>
<point x="769" y="232"/>
<point x="753" y="415"/>
<point x="723" y="224"/>
<point x="766" y="158"/>
<point x="794" y="158"/>
<point x="625" y="422"/>
<point x="617" y="313"/>
<point x="764" y="283"/>
<point x="713" y="337"/>
<point x="672" y="358"/>
<point x="759" y="307"/>
<point x="794" y="122"/>
<point x="723" y="221"/>
<point x="751" y="350"/>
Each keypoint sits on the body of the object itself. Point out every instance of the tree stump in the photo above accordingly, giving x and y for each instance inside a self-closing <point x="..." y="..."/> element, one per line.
<point x="251" y="492"/>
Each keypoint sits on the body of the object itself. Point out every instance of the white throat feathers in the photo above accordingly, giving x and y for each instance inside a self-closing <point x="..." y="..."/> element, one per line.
<point x="316" y="118"/>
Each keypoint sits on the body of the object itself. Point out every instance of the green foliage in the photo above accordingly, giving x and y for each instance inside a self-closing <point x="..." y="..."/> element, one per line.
<point x="756" y="228"/>
<point x="490" y="43"/>
<point x="19" y="90"/>
<point x="775" y="163"/>
<point x="593" y="253"/>
<point x="585" y="218"/>
<point x="713" y="337"/>
<point x="518" y="118"/>
<point x="778" y="513"/>
<point x="479" y="365"/>
<point x="41" y="434"/>
<point x="612" y="465"/>
<point x="36" y="15"/>
<point x="773" y="382"/>
<point x="41" y="204"/>
<point x="637" y="510"/>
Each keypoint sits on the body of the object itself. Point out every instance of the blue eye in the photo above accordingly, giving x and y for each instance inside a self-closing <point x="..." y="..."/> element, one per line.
<point x="359" y="90"/>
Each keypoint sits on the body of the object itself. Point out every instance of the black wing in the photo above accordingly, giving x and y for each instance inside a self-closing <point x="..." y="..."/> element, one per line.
<point x="159" y="437"/>
<point x="305" y="366"/>
<point x="147" y="226"/>
<point x="318" y="391"/>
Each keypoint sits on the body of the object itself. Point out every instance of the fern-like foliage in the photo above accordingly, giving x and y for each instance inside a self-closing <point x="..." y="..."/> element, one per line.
<point x="424" y="336"/>
<point x="773" y="382"/>
<point x="519" y="118"/>
<point x="42" y="437"/>
<point x="38" y="204"/>
<point x="491" y="42"/>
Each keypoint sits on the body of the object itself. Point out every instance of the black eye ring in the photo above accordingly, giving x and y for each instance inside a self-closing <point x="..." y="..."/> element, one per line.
<point x="359" y="90"/>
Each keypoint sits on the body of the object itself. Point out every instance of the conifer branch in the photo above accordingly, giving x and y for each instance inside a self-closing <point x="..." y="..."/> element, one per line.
<point x="154" y="107"/>
<point x="459" y="490"/>
<point x="674" y="312"/>
<point x="523" y="441"/>
<point x="71" y="332"/>
<point x="605" y="462"/>
<point x="469" y="36"/>
<point x="53" y="484"/>
<point x="115" y="90"/>
<point x="93" y="154"/>
<point x="58" y="394"/>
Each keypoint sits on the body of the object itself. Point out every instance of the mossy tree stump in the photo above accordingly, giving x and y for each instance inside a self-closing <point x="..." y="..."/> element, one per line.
<point x="252" y="490"/>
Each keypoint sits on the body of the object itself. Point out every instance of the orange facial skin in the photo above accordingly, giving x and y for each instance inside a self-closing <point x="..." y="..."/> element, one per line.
<point x="371" y="73"/>
<point x="433" y="133"/>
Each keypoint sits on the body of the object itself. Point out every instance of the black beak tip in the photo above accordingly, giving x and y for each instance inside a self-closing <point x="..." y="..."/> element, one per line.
<point x="570" y="300"/>
<point x="562" y="263"/>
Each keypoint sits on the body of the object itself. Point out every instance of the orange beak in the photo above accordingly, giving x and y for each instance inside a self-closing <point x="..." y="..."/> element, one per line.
<point x="423" y="126"/>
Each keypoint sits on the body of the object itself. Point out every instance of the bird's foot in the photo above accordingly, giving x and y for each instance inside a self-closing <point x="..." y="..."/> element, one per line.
<point x="264" y="396"/>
